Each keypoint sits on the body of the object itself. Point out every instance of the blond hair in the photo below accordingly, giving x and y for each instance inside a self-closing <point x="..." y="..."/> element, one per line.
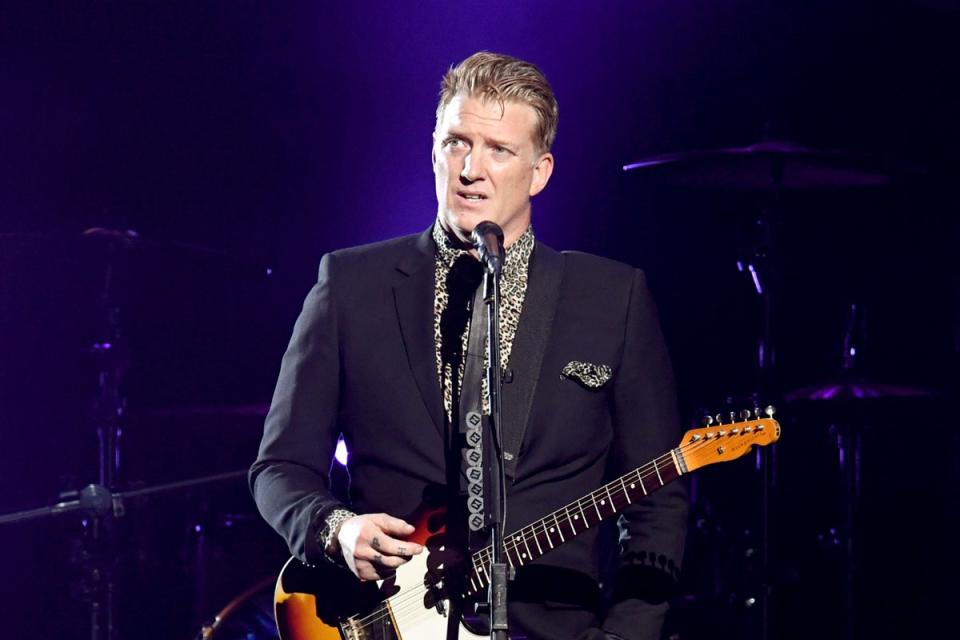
<point x="499" y="77"/>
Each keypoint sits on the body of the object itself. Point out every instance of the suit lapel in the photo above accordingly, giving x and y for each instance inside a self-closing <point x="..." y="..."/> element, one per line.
<point x="414" y="296"/>
<point x="529" y="345"/>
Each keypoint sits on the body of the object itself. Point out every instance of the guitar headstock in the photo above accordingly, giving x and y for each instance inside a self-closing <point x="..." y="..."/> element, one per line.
<point x="719" y="441"/>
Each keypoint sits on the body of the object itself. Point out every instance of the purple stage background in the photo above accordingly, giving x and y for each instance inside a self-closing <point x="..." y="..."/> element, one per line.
<point x="242" y="140"/>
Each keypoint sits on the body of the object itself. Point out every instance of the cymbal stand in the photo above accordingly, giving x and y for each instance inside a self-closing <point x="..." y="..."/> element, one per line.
<point x="761" y="268"/>
<point x="98" y="507"/>
<point x="110" y="355"/>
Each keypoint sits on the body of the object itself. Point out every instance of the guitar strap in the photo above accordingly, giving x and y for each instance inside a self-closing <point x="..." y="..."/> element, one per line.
<point x="530" y="343"/>
<point x="474" y="427"/>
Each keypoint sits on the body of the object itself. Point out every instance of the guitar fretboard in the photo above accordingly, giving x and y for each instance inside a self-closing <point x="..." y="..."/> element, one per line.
<point x="544" y="535"/>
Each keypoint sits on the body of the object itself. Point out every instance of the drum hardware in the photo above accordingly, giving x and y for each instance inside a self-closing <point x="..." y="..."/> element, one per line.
<point x="851" y="396"/>
<point x="772" y="169"/>
<point x="100" y="504"/>
<point x="97" y="501"/>
<point x="770" y="165"/>
<point x="98" y="507"/>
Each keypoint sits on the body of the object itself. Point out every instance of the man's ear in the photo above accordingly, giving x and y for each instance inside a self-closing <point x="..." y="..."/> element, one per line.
<point x="542" y="170"/>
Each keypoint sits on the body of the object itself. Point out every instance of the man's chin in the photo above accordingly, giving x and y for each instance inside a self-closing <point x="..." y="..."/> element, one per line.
<point x="461" y="224"/>
<point x="459" y="227"/>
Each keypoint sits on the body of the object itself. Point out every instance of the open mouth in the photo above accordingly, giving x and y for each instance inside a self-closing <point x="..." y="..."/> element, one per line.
<point x="471" y="197"/>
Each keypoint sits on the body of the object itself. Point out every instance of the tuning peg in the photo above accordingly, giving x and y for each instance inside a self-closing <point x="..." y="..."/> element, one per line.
<point x="756" y="412"/>
<point x="745" y="414"/>
<point x="707" y="421"/>
<point x="719" y="418"/>
<point x="770" y="410"/>
<point x="733" y="417"/>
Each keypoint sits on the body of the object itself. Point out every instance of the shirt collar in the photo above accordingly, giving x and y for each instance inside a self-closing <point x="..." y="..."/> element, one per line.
<point x="518" y="253"/>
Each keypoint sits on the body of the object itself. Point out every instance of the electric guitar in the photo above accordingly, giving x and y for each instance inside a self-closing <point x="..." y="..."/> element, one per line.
<point x="327" y="602"/>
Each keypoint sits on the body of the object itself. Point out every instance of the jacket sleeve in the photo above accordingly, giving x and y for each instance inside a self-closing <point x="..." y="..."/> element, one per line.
<point x="290" y="478"/>
<point x="646" y="425"/>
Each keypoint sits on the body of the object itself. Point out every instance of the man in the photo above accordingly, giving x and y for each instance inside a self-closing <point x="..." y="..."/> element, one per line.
<point x="380" y="351"/>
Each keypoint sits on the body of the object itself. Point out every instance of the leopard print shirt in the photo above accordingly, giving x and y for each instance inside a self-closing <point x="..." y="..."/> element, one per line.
<point x="513" y="290"/>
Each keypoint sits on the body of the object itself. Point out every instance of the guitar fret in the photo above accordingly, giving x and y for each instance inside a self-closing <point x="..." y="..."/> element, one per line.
<point x="582" y="514"/>
<point x="570" y="521"/>
<point x="526" y="546"/>
<point x="506" y="550"/>
<point x="640" y="479"/>
<point x="559" y="530"/>
<point x="537" y="540"/>
<point x="597" y="507"/>
<point x="547" y="533"/>
<point x="506" y="554"/>
<point x="658" y="471"/>
<point x="613" y="507"/>
<point x="626" y="493"/>
<point x="476" y="570"/>
<point x="516" y="549"/>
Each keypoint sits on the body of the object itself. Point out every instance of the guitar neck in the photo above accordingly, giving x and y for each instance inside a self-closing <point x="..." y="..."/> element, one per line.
<point x="536" y="539"/>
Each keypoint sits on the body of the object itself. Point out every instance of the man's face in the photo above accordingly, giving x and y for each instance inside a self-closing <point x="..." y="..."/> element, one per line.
<point x="487" y="166"/>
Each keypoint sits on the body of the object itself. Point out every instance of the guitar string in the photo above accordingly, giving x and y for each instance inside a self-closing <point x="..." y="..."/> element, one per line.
<point x="402" y="605"/>
<point x="412" y="598"/>
<point x="612" y="489"/>
<point x="403" y="602"/>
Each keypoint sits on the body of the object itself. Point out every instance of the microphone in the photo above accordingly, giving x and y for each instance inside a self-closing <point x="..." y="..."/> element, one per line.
<point x="488" y="239"/>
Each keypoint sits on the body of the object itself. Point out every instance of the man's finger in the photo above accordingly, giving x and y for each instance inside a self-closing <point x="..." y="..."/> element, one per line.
<point x="385" y="547"/>
<point x="392" y="562"/>
<point x="382" y="543"/>
<point x="393" y="525"/>
<point x="369" y="571"/>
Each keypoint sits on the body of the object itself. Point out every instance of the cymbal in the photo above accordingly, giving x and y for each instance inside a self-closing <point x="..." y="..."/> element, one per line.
<point x="769" y="165"/>
<point x="855" y="389"/>
<point x="104" y="238"/>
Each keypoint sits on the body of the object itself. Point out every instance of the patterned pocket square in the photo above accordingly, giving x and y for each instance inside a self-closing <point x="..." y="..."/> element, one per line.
<point x="592" y="376"/>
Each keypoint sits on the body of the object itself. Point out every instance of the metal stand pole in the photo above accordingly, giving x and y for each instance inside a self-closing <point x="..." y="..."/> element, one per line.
<point x="763" y="274"/>
<point x="497" y="595"/>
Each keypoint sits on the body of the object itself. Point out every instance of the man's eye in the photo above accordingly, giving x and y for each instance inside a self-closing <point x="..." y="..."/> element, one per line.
<point x="454" y="142"/>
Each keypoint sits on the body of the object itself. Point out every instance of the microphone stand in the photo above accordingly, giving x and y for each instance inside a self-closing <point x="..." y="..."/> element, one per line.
<point x="497" y="595"/>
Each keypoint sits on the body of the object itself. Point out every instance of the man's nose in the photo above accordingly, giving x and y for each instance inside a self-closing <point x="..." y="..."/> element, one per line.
<point x="472" y="168"/>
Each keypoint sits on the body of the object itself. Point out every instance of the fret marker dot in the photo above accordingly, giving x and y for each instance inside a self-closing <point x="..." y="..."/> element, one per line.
<point x="576" y="517"/>
<point x="551" y="529"/>
<point x="603" y="502"/>
<point x="633" y="486"/>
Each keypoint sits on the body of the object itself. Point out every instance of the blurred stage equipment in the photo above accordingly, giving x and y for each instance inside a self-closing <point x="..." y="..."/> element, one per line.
<point x="766" y="166"/>
<point x="769" y="168"/>
<point x="851" y="400"/>
<point x="249" y="616"/>
<point x="102" y="503"/>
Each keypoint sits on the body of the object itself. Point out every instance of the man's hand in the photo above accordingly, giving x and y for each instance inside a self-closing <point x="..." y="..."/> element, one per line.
<point x="372" y="545"/>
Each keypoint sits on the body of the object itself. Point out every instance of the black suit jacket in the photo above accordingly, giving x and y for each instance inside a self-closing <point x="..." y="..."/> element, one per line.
<point x="362" y="362"/>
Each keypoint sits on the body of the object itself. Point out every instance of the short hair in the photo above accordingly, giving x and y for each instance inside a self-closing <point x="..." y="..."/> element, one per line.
<point x="499" y="77"/>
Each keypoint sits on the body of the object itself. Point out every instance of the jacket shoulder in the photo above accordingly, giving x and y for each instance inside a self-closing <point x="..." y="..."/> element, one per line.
<point x="598" y="266"/>
<point x="384" y="251"/>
